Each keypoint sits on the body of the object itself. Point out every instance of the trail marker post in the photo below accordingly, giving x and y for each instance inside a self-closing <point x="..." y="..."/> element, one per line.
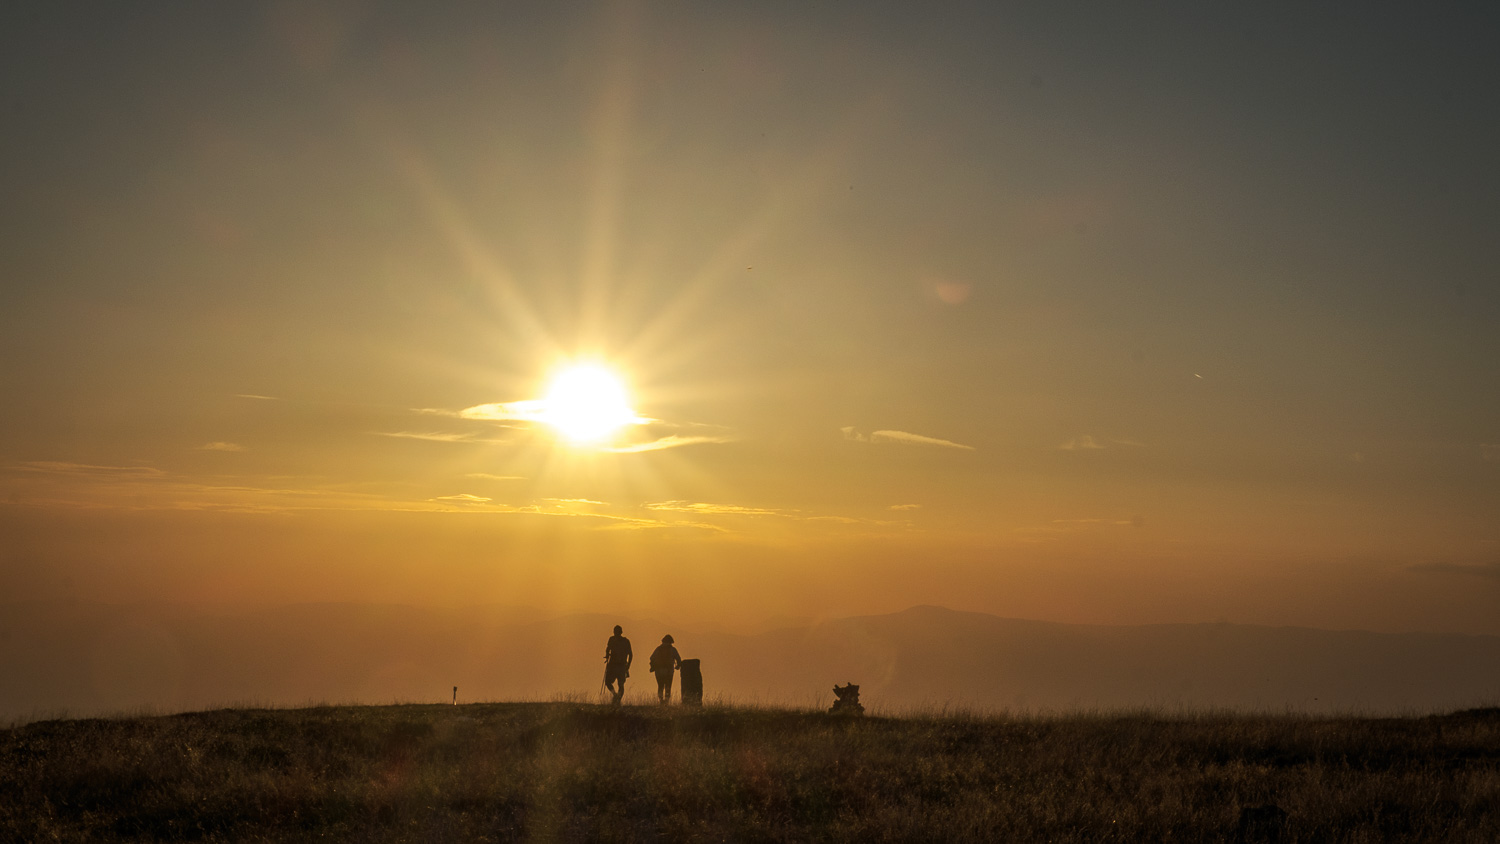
<point x="692" y="683"/>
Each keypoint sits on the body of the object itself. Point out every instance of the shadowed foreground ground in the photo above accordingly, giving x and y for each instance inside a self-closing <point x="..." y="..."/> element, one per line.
<point x="565" y="771"/>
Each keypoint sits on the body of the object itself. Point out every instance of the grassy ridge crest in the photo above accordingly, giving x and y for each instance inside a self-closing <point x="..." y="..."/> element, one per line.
<point x="574" y="771"/>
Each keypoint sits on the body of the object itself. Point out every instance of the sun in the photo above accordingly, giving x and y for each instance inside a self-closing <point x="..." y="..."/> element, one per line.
<point x="587" y="403"/>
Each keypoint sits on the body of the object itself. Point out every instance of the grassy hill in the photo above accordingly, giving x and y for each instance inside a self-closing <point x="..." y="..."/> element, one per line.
<point x="575" y="772"/>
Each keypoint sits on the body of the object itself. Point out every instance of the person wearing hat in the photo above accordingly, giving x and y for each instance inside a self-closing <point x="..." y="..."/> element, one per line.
<point x="664" y="661"/>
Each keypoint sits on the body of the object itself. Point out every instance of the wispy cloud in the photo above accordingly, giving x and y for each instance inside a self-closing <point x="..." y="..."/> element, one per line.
<point x="256" y="397"/>
<point x="60" y="484"/>
<point x="530" y="410"/>
<point x="479" y="413"/>
<point x="903" y="437"/>
<point x="58" y="467"/>
<point x="915" y="439"/>
<point x="1089" y="443"/>
<point x="436" y="436"/>
<point x="701" y="508"/>
<point x="711" y="509"/>
<point x="85" y="486"/>
<point x="485" y="476"/>
<point x="904" y="507"/>
<point x="220" y="446"/>
<point x="670" y="441"/>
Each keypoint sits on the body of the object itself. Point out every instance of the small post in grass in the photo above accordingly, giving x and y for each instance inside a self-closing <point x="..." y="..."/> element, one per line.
<point x="692" y="683"/>
<point x="455" y="696"/>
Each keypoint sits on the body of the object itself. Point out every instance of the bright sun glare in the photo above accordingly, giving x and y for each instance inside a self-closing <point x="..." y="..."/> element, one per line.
<point x="586" y="403"/>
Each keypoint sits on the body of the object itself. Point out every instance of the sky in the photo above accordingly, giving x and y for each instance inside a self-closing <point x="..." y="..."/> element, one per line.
<point x="1103" y="313"/>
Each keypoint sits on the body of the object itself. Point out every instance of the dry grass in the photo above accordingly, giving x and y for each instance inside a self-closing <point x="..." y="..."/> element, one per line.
<point x="572" y="771"/>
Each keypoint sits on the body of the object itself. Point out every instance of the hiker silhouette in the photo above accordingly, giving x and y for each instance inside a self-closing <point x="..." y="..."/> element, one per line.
<point x="617" y="659"/>
<point x="664" y="660"/>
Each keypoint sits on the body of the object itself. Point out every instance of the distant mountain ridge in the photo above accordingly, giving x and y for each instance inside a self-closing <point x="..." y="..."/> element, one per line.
<point x="941" y="656"/>
<point x="83" y="659"/>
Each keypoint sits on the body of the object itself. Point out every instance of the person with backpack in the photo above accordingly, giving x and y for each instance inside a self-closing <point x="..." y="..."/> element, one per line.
<point x="664" y="661"/>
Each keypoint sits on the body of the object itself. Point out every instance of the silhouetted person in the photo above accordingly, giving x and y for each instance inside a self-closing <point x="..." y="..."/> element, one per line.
<point x="664" y="660"/>
<point x="617" y="659"/>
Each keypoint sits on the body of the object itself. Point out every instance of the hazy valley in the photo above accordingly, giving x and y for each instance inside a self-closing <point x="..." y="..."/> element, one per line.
<point x="83" y="659"/>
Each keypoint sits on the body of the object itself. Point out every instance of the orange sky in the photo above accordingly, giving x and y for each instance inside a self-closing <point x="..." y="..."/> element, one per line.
<point x="1117" y="317"/>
